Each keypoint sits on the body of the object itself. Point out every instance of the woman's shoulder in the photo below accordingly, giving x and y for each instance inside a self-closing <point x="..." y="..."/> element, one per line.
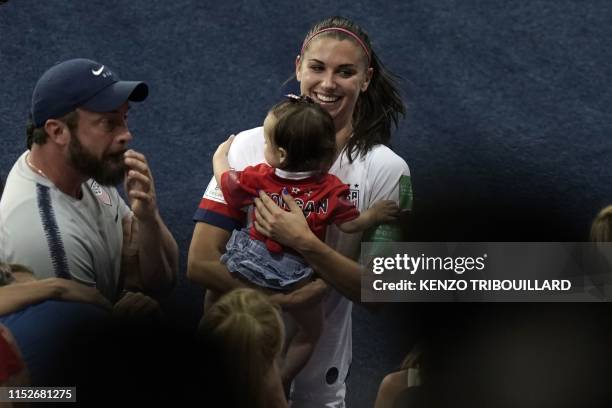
<point x="382" y="157"/>
<point x="247" y="148"/>
<point x="248" y="138"/>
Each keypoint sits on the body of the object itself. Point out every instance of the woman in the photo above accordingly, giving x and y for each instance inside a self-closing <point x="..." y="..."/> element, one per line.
<point x="338" y="68"/>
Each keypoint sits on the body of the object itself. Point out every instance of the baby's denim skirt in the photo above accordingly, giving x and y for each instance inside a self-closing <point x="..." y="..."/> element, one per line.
<point x="251" y="259"/>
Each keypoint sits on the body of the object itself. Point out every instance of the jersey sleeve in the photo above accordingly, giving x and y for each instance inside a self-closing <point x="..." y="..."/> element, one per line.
<point x="239" y="188"/>
<point x="247" y="149"/>
<point x="389" y="180"/>
<point x="214" y="210"/>
<point x="344" y="210"/>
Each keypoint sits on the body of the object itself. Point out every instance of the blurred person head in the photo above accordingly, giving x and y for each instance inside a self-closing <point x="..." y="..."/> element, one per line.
<point x="601" y="228"/>
<point x="249" y="331"/>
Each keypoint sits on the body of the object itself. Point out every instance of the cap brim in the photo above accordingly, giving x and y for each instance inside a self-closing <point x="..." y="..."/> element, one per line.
<point x="113" y="96"/>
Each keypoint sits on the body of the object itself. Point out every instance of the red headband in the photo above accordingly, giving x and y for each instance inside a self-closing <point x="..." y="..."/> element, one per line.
<point x="343" y="30"/>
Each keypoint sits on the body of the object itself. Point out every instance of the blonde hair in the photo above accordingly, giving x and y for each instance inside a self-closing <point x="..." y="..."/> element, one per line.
<point x="413" y="358"/>
<point x="601" y="229"/>
<point x="7" y="272"/>
<point x="248" y="328"/>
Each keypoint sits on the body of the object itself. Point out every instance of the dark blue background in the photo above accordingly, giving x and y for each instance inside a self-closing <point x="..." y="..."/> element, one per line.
<point x="507" y="133"/>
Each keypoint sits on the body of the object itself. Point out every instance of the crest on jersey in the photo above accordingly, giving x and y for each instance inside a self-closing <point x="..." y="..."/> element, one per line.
<point x="213" y="192"/>
<point x="100" y="192"/>
<point x="353" y="196"/>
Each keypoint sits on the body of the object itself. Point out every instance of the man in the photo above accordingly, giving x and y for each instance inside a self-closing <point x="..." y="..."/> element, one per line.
<point x="60" y="214"/>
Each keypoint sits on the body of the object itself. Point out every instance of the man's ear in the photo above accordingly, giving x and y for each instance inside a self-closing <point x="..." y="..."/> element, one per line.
<point x="283" y="155"/>
<point x="57" y="131"/>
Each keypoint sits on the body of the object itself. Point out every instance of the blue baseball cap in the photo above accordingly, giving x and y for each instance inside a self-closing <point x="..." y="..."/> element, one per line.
<point x="81" y="83"/>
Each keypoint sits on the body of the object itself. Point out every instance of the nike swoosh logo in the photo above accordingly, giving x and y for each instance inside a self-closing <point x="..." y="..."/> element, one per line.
<point x="98" y="71"/>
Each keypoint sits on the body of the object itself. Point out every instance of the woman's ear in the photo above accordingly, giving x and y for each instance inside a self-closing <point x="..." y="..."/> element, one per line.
<point x="368" y="78"/>
<point x="298" y="64"/>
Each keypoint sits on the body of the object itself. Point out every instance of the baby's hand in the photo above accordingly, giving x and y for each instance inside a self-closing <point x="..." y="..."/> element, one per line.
<point x="385" y="211"/>
<point x="220" y="161"/>
<point x="224" y="147"/>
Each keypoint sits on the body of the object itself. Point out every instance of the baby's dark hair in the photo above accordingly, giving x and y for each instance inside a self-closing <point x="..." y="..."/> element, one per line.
<point x="306" y="131"/>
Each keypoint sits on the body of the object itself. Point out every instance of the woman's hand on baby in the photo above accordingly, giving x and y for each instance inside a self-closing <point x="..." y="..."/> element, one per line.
<point x="286" y="227"/>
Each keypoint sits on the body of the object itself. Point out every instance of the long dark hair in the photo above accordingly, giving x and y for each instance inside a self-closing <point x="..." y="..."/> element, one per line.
<point x="306" y="131"/>
<point x="380" y="106"/>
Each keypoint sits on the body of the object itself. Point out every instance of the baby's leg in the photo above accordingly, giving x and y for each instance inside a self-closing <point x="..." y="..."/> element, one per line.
<point x="309" y="322"/>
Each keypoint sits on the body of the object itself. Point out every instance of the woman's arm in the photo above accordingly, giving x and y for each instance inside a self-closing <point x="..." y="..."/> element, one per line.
<point x="203" y="265"/>
<point x="17" y="296"/>
<point x="205" y="269"/>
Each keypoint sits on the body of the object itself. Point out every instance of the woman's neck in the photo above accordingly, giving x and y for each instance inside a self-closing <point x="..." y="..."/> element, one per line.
<point x="342" y="137"/>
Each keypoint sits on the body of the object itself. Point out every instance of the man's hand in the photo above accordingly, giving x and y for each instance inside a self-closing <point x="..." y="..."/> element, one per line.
<point x="138" y="307"/>
<point x="157" y="264"/>
<point x="139" y="186"/>
<point x="130" y="237"/>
